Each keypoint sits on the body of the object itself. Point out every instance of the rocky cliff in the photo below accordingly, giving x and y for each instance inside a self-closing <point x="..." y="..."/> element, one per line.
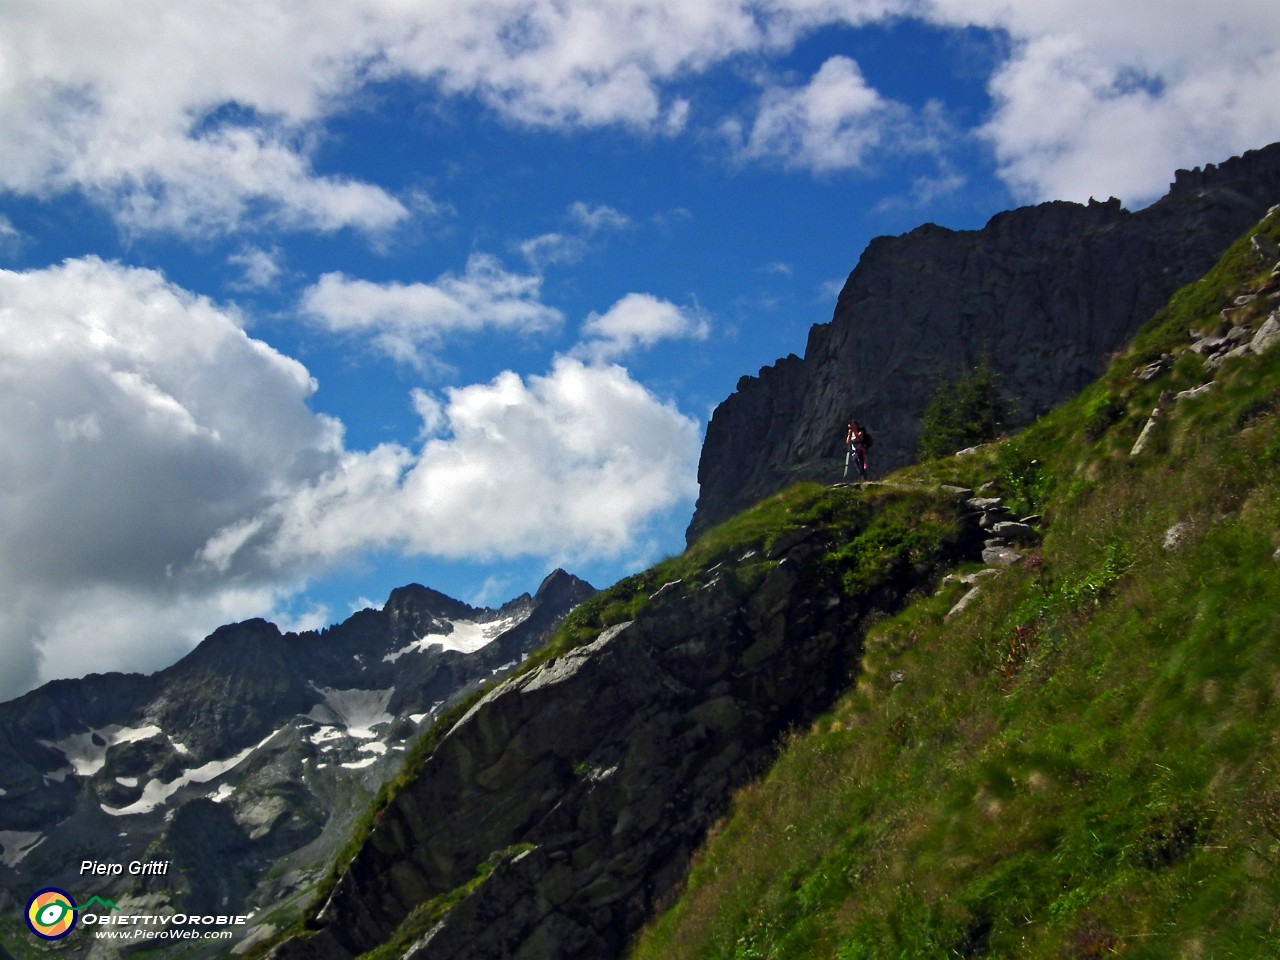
<point x="1048" y="292"/>
<point x="555" y="814"/>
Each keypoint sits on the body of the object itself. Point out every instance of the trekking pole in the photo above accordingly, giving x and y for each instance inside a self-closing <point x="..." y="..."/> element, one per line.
<point x="847" y="454"/>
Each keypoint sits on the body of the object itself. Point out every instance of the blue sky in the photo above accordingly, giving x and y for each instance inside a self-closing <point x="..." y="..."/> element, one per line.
<point x="300" y="304"/>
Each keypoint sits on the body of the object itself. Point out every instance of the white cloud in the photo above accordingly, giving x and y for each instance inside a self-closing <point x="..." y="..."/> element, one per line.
<point x="407" y="320"/>
<point x="638" y="320"/>
<point x="570" y="465"/>
<point x="206" y="117"/>
<point x="600" y="217"/>
<point x="559" y="247"/>
<point x="260" y="269"/>
<point x="1101" y="98"/>
<point x="184" y="119"/>
<point x="547" y="249"/>
<point x="11" y="237"/>
<point x="831" y="123"/>
<point x="136" y="420"/>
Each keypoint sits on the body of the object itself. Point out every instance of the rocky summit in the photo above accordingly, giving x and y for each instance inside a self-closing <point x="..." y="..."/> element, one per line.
<point x="1046" y="293"/>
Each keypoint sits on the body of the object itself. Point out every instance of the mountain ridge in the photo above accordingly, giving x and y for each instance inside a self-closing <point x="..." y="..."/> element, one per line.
<point x="1046" y="292"/>
<point x="258" y="741"/>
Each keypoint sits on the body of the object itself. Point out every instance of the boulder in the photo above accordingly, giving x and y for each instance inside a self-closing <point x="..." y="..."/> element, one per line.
<point x="1000" y="556"/>
<point x="1148" y="432"/>
<point x="963" y="603"/>
<point x="984" y="503"/>
<point x="1012" y="530"/>
<point x="1218" y="359"/>
<point x="1195" y="391"/>
<point x="1268" y="335"/>
<point x="1176" y="536"/>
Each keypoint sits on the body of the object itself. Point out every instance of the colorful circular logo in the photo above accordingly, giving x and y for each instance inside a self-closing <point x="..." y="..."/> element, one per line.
<point x="51" y="914"/>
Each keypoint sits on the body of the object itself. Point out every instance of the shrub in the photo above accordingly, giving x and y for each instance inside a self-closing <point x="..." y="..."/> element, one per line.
<point x="969" y="410"/>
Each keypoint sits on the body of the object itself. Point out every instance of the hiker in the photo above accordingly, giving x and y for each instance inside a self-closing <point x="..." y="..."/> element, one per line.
<point x="857" y="440"/>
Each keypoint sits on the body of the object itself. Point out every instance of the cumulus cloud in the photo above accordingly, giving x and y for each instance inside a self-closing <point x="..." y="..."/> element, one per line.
<point x="571" y="464"/>
<point x="135" y="421"/>
<point x="548" y="249"/>
<point x="190" y="119"/>
<point x="561" y="247"/>
<point x="407" y="320"/>
<point x="164" y="472"/>
<point x="638" y="320"/>
<point x="10" y="236"/>
<point x="1104" y="98"/>
<point x="831" y="123"/>
<point x="600" y="217"/>
<point x="260" y="269"/>
<point x="203" y="118"/>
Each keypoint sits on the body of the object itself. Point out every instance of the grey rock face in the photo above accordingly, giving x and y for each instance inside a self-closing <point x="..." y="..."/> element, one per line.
<point x="1048" y="292"/>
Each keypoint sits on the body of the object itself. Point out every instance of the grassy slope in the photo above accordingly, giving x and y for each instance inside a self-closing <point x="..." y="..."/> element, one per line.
<point x="1086" y="762"/>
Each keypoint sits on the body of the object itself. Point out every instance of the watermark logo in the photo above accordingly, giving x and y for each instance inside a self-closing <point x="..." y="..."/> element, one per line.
<point x="51" y="914"/>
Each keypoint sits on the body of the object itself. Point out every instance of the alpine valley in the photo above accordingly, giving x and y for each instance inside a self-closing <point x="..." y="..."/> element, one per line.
<point x="1017" y="703"/>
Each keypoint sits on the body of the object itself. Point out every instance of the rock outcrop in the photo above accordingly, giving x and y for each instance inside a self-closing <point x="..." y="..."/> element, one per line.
<point x="1046" y="292"/>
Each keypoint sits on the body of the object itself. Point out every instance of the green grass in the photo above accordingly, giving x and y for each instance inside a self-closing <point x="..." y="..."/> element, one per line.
<point x="1085" y="762"/>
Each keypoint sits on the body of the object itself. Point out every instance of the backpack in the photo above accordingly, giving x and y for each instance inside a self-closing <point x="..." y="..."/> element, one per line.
<point x="866" y="438"/>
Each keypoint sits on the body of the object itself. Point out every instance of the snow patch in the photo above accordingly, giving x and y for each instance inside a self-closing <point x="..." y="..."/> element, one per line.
<point x="417" y="718"/>
<point x="17" y="844"/>
<point x="87" y="757"/>
<point x="375" y="747"/>
<point x="325" y="734"/>
<point x="223" y="791"/>
<point x="360" y="764"/>
<point x="156" y="793"/>
<point x="359" y="711"/>
<point x="467" y="636"/>
<point x="127" y="781"/>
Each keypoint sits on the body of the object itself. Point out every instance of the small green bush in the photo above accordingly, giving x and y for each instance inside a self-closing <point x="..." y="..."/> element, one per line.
<point x="971" y="409"/>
